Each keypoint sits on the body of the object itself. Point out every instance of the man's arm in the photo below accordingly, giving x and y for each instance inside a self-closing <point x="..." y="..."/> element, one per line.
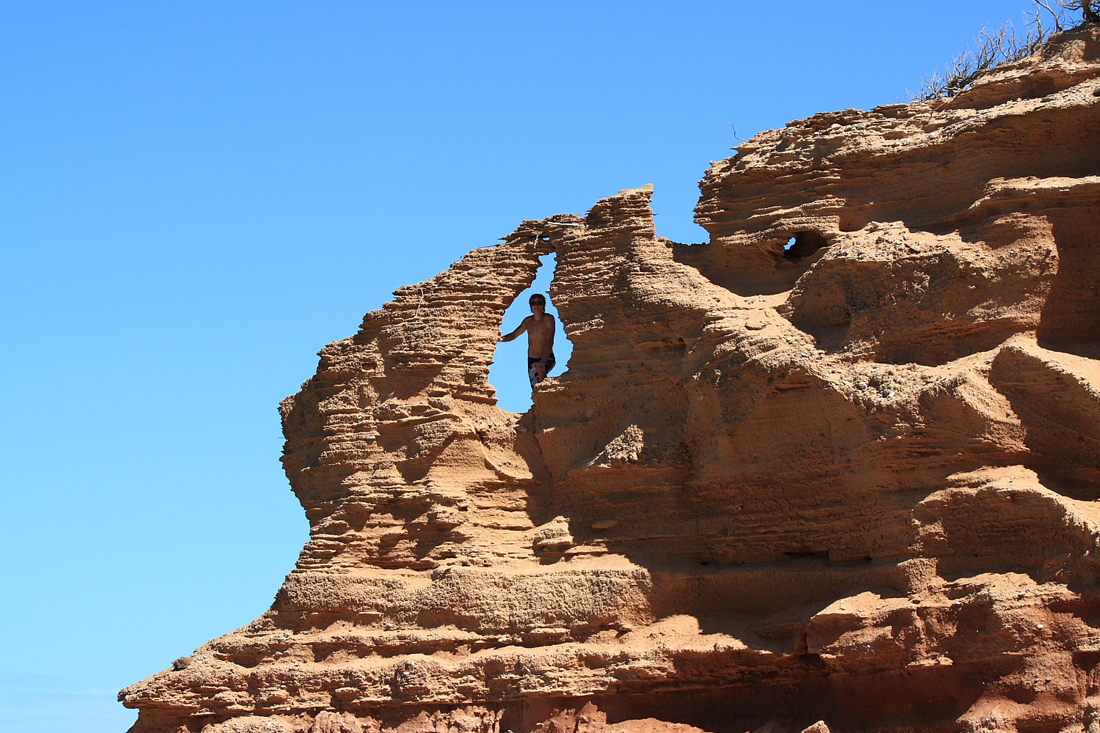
<point x="517" y="332"/>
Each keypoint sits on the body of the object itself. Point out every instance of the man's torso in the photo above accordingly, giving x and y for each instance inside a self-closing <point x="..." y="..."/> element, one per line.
<point x="538" y="334"/>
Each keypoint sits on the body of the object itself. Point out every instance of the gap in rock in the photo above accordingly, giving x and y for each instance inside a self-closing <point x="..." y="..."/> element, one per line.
<point x="804" y="244"/>
<point x="508" y="373"/>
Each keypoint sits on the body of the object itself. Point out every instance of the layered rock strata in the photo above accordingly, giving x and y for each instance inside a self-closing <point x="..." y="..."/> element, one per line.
<point x="839" y="467"/>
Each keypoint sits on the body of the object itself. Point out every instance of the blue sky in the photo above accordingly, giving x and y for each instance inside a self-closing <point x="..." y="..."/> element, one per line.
<point x="195" y="197"/>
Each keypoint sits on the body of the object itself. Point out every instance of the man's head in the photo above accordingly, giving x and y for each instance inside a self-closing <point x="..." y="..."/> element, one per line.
<point x="538" y="301"/>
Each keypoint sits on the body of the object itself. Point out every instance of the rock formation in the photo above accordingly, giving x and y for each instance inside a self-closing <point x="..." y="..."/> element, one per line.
<point x="837" y="469"/>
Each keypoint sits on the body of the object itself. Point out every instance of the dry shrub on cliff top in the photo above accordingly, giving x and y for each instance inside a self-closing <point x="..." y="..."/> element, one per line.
<point x="1004" y="45"/>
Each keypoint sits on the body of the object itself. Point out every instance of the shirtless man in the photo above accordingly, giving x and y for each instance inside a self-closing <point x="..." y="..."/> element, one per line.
<point x="540" y="340"/>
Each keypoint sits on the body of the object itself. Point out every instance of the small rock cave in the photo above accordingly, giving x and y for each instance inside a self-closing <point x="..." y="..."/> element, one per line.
<point x="803" y="244"/>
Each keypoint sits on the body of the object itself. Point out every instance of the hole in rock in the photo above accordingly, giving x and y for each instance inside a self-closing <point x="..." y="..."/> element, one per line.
<point x="508" y="373"/>
<point x="768" y="269"/>
<point x="804" y="244"/>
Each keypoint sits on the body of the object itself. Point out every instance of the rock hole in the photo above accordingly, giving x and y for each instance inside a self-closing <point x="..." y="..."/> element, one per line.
<point x="804" y="244"/>
<point x="508" y="373"/>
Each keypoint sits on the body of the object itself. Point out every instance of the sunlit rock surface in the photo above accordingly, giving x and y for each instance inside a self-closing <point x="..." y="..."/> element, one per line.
<point x="837" y="469"/>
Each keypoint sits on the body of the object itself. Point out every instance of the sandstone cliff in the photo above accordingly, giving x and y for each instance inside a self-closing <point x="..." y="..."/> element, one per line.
<point x="839" y="464"/>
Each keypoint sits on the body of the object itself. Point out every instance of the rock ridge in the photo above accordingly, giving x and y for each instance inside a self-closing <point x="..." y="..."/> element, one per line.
<point x="835" y="470"/>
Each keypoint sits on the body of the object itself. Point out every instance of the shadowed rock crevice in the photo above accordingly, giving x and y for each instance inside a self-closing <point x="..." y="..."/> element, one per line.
<point x="847" y="484"/>
<point x="1070" y="319"/>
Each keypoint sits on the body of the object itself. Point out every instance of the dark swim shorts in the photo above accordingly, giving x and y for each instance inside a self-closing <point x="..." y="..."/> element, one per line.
<point x="532" y="374"/>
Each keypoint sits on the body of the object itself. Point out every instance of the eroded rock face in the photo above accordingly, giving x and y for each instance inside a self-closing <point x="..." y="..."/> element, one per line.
<point x="837" y="469"/>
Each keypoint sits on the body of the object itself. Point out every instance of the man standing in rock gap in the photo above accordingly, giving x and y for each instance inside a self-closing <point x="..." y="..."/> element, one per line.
<point x="540" y="340"/>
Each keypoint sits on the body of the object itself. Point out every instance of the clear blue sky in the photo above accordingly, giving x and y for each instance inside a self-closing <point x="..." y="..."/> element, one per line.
<point x="195" y="197"/>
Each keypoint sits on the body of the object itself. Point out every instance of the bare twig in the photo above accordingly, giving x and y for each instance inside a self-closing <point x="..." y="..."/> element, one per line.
<point x="1057" y="19"/>
<point x="1004" y="46"/>
<point x="1090" y="9"/>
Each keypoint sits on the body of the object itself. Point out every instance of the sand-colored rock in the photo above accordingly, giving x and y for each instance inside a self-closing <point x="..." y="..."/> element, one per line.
<point x="847" y="485"/>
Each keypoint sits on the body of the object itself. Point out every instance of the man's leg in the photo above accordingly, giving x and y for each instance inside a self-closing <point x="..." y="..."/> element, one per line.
<point x="532" y="373"/>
